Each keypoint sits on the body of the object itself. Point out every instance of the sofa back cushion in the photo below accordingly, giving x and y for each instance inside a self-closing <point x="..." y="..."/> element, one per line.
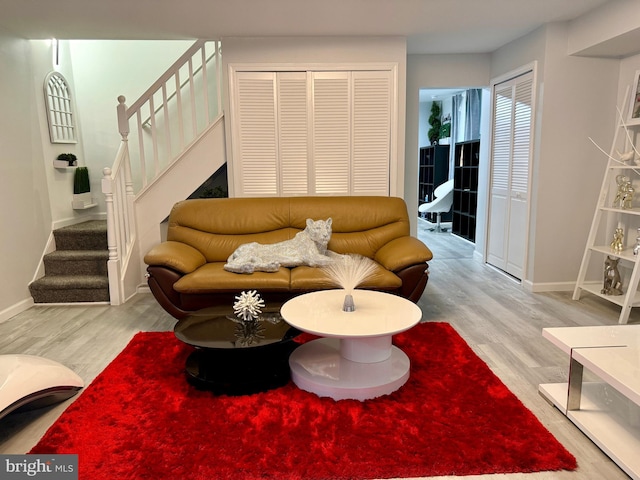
<point x="217" y="226"/>
<point x="360" y="224"/>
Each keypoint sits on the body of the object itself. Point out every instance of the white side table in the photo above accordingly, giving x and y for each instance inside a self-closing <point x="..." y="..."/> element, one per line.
<point x="606" y="408"/>
<point x="356" y="358"/>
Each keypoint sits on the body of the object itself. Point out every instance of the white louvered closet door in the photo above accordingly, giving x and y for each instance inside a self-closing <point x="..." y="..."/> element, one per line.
<point x="312" y="133"/>
<point x="255" y="135"/>
<point x="510" y="171"/>
<point x="351" y="132"/>
<point x="331" y="133"/>
<point x="293" y="133"/>
<point x="371" y="165"/>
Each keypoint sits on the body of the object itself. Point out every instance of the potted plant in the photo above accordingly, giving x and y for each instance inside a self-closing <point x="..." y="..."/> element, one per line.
<point x="81" y="188"/>
<point x="434" y="121"/>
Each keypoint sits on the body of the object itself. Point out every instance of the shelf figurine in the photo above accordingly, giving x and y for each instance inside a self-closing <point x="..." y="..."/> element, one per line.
<point x="627" y="197"/>
<point x="617" y="242"/>
<point x="636" y="248"/>
<point x="626" y="157"/>
<point x="624" y="194"/>
<point x="612" y="281"/>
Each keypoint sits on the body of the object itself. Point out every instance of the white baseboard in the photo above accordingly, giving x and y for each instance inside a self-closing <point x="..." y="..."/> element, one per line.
<point x="66" y="222"/>
<point x="536" y="287"/>
<point x="550" y="287"/>
<point x="14" y="310"/>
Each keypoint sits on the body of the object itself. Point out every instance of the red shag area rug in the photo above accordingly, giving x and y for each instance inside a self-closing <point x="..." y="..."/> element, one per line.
<point x="140" y="419"/>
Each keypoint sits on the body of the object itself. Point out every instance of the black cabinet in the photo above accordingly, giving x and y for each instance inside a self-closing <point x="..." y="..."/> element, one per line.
<point x="465" y="189"/>
<point x="433" y="171"/>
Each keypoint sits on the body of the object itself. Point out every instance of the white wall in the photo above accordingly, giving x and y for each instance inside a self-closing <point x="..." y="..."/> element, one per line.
<point x="59" y="181"/>
<point x="612" y="26"/>
<point x="24" y="194"/>
<point x="423" y="123"/>
<point x="104" y="70"/>
<point x="576" y="99"/>
<point x="579" y="102"/>
<point x="628" y="67"/>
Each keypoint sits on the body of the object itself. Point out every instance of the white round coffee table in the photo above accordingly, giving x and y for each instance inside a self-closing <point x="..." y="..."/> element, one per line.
<point x="356" y="358"/>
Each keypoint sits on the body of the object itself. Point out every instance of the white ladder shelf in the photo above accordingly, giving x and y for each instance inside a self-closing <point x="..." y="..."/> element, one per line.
<point x="606" y="219"/>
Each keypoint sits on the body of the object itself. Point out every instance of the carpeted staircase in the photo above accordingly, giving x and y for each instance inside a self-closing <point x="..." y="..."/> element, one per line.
<point x="77" y="270"/>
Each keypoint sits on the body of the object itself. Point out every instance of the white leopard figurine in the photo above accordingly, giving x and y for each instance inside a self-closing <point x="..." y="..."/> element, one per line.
<point x="308" y="247"/>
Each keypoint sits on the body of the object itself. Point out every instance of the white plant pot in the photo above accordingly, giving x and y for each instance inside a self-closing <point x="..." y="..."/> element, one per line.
<point x="82" y="200"/>
<point x="62" y="164"/>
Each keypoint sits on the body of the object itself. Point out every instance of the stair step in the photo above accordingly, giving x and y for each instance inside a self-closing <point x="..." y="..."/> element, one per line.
<point x="91" y="235"/>
<point x="77" y="270"/>
<point x="80" y="262"/>
<point x="70" y="289"/>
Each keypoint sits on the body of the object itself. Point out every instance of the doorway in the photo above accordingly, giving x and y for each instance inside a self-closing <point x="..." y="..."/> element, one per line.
<point x="455" y="117"/>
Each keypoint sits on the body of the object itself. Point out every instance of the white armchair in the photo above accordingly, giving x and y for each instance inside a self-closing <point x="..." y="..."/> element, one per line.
<point x="442" y="202"/>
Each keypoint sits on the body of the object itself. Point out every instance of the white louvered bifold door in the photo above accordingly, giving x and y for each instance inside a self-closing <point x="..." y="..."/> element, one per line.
<point x="520" y="167"/>
<point x="331" y="133"/>
<point x="255" y="138"/>
<point x="510" y="172"/>
<point x="312" y="133"/>
<point x="351" y="132"/>
<point x="293" y="135"/>
<point x="500" y="161"/>
<point x="371" y="151"/>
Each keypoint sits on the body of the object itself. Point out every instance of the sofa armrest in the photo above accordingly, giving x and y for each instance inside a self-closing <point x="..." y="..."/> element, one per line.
<point x="403" y="252"/>
<point x="176" y="255"/>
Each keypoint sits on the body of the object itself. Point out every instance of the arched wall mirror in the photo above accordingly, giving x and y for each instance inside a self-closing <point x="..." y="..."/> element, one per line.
<point x="60" y="115"/>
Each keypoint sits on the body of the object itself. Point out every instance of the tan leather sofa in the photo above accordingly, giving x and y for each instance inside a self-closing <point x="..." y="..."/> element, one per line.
<point x="185" y="272"/>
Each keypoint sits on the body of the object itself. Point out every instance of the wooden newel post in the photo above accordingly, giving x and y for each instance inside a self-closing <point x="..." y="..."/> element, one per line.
<point x="107" y="189"/>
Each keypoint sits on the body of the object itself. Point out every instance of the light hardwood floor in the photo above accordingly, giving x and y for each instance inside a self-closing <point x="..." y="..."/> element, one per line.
<point x="500" y="320"/>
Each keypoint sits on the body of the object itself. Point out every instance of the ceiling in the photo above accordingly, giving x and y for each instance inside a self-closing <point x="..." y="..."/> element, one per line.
<point x="431" y="26"/>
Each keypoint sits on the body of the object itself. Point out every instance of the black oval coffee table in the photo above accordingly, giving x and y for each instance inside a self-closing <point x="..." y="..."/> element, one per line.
<point x="227" y="362"/>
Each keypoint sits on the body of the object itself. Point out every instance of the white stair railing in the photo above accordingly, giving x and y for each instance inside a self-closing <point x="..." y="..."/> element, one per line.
<point x="167" y="119"/>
